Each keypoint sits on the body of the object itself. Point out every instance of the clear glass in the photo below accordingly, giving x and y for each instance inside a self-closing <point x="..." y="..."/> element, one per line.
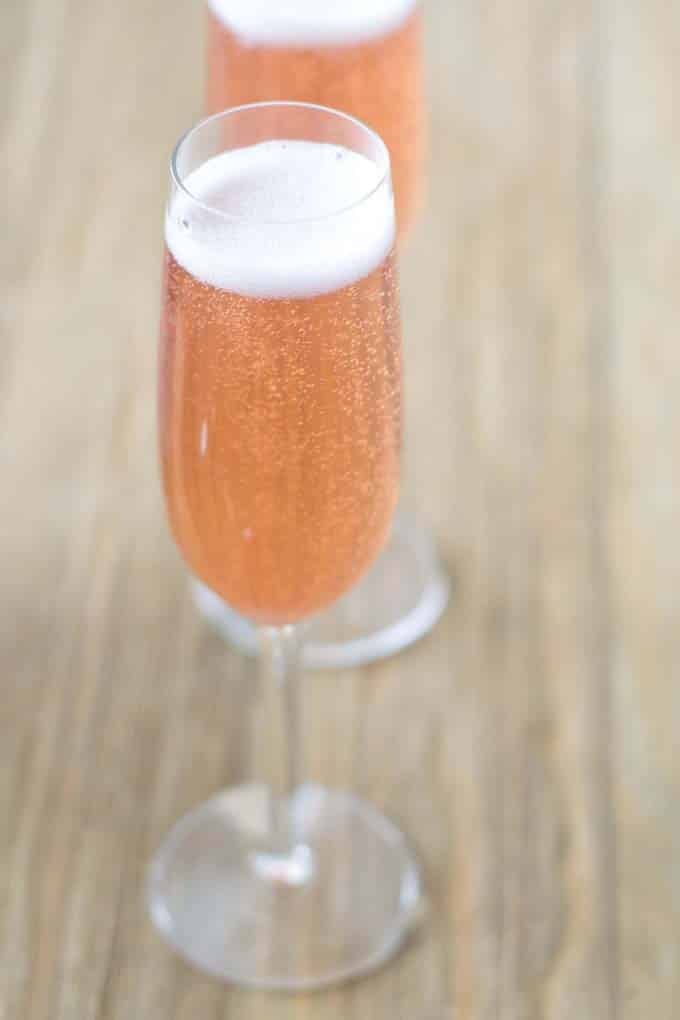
<point x="398" y="601"/>
<point x="371" y="66"/>
<point x="279" y="415"/>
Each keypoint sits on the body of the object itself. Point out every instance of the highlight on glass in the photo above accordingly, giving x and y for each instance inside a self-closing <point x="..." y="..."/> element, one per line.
<point x="364" y="57"/>
<point x="279" y="420"/>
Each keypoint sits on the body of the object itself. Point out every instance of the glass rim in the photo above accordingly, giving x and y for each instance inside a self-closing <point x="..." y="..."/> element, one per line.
<point x="178" y="180"/>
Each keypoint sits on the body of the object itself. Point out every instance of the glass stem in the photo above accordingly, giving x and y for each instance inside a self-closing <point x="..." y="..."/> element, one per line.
<point x="279" y="663"/>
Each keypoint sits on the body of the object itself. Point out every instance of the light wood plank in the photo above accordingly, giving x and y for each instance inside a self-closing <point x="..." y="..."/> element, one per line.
<point x="643" y="237"/>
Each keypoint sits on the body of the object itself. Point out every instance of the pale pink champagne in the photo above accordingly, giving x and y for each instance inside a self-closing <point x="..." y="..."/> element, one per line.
<point x="364" y="57"/>
<point x="280" y="375"/>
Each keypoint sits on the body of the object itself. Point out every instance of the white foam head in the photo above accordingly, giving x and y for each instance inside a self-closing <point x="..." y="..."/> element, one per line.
<point x="282" y="219"/>
<point x="311" y="22"/>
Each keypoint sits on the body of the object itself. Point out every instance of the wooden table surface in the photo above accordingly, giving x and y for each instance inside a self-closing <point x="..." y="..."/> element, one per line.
<point x="530" y="745"/>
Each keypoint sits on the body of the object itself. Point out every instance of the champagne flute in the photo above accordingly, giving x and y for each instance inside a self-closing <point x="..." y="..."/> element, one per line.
<point x="364" y="57"/>
<point x="280" y="416"/>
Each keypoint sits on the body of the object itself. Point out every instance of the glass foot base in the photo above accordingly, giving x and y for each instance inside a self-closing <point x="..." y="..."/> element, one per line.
<point x="399" y="600"/>
<point x="337" y="907"/>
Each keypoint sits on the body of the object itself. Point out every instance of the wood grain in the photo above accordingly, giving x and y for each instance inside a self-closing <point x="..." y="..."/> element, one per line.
<point x="537" y="728"/>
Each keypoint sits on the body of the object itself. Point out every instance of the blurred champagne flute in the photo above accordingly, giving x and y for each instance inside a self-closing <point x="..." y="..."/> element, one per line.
<point x="364" y="57"/>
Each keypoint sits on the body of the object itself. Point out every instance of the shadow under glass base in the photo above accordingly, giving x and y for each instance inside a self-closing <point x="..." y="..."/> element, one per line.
<point x="337" y="907"/>
<point x="399" y="600"/>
